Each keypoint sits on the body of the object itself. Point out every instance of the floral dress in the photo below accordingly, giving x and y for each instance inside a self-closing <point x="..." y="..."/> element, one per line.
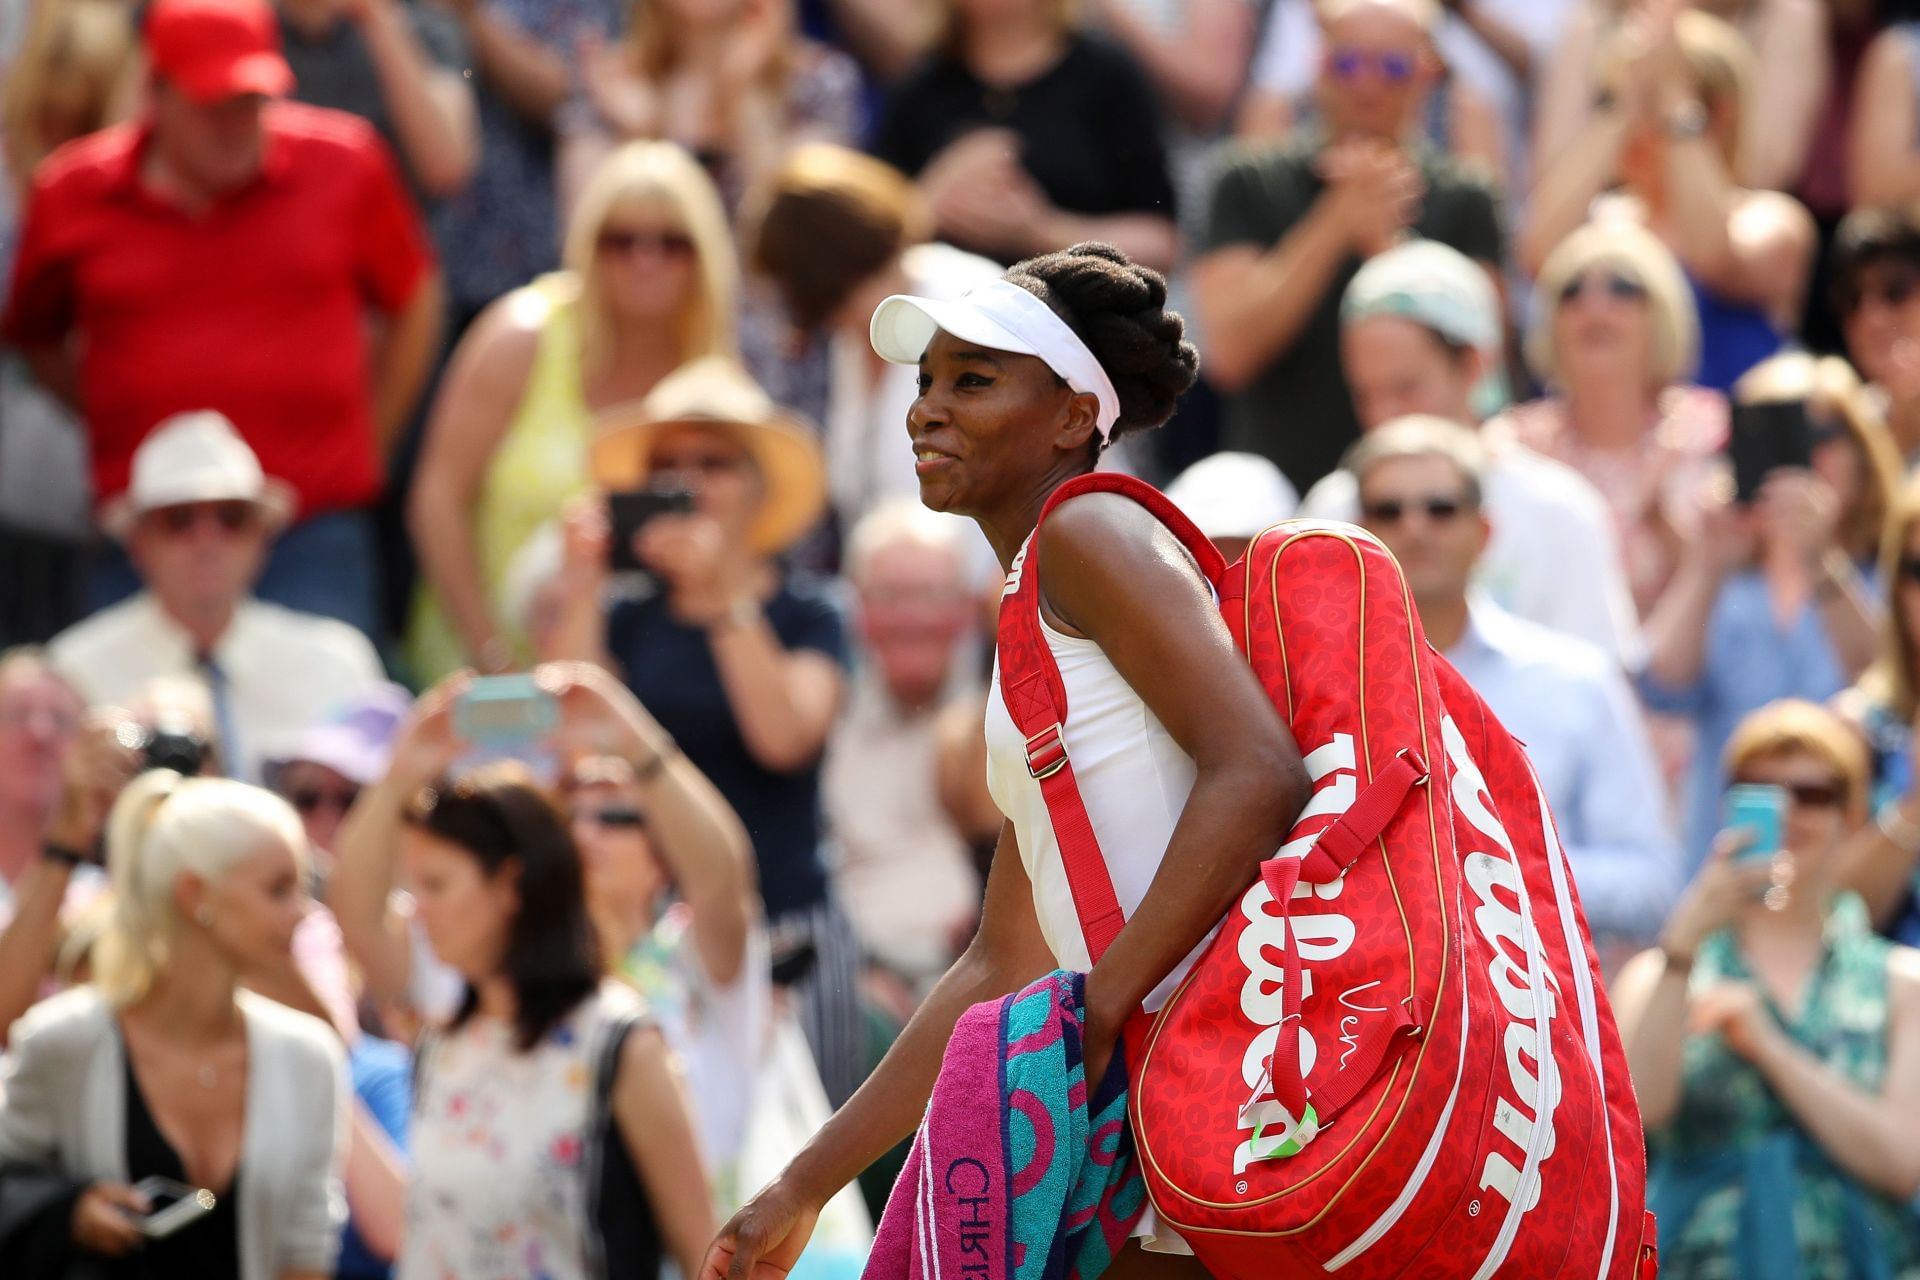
<point x="499" y="1144"/>
<point x="1740" y="1191"/>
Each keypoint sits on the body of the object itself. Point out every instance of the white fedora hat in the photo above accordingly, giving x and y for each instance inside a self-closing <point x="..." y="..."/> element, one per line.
<point x="196" y="457"/>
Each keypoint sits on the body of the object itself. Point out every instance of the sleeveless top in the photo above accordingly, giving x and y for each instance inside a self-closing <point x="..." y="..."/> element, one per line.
<point x="206" y="1249"/>
<point x="540" y="462"/>
<point x="501" y="1146"/>
<point x="1134" y="778"/>
<point x="1732" y="1177"/>
<point x="1734" y="337"/>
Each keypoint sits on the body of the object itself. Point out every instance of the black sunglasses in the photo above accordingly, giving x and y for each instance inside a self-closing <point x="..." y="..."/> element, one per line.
<point x="308" y="799"/>
<point x="702" y="461"/>
<point x="1393" y="66"/>
<point x="617" y="817"/>
<point x="1393" y="510"/>
<point x="1811" y="795"/>
<point x="232" y="517"/>
<point x="1895" y="289"/>
<point x="665" y="244"/>
<point x="1619" y="287"/>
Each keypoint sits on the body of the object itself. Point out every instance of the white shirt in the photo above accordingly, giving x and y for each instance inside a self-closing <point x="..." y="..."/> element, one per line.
<point x="1554" y="556"/>
<point x="1133" y="776"/>
<point x="283" y="671"/>
<point x="720" y="1032"/>
<point x="869" y="459"/>
<point x="1571" y="707"/>
<point x="902" y="869"/>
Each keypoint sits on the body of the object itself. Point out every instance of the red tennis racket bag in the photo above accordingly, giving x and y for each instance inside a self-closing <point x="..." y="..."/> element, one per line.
<point x="1395" y="1058"/>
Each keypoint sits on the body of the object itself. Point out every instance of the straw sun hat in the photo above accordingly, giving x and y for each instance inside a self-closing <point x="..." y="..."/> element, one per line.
<point x="717" y="392"/>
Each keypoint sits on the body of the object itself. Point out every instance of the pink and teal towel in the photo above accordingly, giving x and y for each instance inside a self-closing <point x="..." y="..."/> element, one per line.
<point x="1015" y="1174"/>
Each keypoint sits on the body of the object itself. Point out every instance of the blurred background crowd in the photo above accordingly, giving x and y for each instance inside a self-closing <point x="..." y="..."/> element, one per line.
<point x="352" y="346"/>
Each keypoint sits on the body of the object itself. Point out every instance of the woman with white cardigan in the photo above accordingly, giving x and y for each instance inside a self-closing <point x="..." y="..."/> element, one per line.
<point x="165" y="1068"/>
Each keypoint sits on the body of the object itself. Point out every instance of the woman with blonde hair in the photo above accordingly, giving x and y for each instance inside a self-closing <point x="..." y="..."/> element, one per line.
<point x="1882" y="861"/>
<point x="1774" y="1041"/>
<point x="165" y="1068"/>
<point x="1793" y="43"/>
<point x="1663" y="151"/>
<point x="1774" y="597"/>
<point x="650" y="283"/>
<point x="63" y="83"/>
<point x="1615" y="340"/>
<point x="730" y="80"/>
<point x="60" y="86"/>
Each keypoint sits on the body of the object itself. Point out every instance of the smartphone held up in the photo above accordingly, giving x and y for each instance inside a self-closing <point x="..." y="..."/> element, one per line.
<point x="505" y="714"/>
<point x="1771" y="436"/>
<point x="631" y="510"/>
<point x="1760" y="813"/>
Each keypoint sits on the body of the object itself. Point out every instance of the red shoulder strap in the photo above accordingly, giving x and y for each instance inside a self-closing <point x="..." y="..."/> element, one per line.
<point x="1036" y="698"/>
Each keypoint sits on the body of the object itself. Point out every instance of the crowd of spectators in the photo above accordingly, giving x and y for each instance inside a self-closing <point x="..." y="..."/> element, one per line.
<point x="355" y="349"/>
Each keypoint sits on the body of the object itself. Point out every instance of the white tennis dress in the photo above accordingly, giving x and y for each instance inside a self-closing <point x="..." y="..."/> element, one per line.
<point x="1135" y="780"/>
<point x="1133" y="776"/>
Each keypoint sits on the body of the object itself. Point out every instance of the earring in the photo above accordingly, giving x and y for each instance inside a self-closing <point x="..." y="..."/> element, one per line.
<point x="204" y="916"/>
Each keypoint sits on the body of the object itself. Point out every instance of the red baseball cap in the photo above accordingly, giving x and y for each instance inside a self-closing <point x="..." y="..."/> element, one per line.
<point x="212" y="50"/>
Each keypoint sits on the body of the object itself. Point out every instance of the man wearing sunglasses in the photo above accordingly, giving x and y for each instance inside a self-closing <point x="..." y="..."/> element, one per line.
<point x="1421" y="485"/>
<point x="1420" y="333"/>
<point x="1876" y="297"/>
<point x="198" y="521"/>
<point x="229" y="249"/>
<point x="1289" y="225"/>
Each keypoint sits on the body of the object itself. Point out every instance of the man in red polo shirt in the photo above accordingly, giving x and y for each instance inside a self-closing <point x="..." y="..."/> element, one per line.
<point x="235" y="252"/>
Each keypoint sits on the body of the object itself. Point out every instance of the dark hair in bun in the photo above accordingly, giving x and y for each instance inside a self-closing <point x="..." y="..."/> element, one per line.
<point x="1119" y="309"/>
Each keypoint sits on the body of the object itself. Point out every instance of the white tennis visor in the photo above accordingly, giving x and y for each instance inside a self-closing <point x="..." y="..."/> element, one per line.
<point x="1001" y="317"/>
